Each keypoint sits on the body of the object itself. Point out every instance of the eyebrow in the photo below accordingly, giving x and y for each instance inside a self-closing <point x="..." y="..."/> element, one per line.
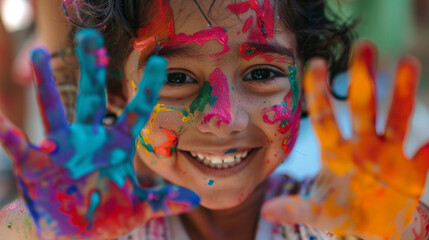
<point x="185" y="50"/>
<point x="252" y="49"/>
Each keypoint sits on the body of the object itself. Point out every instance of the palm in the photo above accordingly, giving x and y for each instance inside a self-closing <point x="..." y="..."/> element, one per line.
<point x="367" y="185"/>
<point x="80" y="179"/>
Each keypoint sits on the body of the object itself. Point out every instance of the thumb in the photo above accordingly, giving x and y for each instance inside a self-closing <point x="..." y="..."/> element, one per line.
<point x="290" y="210"/>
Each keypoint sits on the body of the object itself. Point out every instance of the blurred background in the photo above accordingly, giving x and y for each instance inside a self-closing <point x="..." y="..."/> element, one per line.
<point x="397" y="27"/>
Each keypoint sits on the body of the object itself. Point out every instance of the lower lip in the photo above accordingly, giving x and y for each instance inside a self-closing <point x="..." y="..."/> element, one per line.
<point x="223" y="172"/>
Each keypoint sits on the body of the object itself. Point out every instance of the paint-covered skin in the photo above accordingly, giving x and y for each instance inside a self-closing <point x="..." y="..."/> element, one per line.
<point x="80" y="181"/>
<point x="368" y="186"/>
<point x="233" y="90"/>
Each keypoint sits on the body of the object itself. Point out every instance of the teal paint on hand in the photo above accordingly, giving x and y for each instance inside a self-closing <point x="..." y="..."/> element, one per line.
<point x="94" y="202"/>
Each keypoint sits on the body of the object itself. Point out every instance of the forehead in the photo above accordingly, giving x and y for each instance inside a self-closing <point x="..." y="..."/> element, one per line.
<point x="231" y="23"/>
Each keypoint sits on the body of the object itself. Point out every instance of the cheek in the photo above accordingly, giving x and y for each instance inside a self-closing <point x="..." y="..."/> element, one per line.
<point x="159" y="138"/>
<point x="280" y="122"/>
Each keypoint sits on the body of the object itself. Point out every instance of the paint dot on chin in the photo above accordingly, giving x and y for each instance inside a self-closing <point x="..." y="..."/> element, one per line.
<point x="210" y="182"/>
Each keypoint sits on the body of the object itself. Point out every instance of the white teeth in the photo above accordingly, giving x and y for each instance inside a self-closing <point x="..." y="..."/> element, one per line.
<point x="228" y="160"/>
<point x="218" y="162"/>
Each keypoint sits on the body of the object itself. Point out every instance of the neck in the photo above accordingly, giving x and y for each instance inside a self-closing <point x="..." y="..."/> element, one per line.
<point x="239" y="222"/>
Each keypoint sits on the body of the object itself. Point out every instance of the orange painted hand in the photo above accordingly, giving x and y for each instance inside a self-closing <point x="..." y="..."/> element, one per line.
<point x="367" y="186"/>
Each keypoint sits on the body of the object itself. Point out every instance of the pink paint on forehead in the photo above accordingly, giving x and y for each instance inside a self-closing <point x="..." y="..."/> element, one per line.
<point x="217" y="33"/>
<point x="222" y="107"/>
<point x="247" y="24"/>
<point x="264" y="15"/>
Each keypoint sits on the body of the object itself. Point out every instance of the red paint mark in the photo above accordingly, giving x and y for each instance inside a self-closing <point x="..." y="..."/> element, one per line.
<point x="47" y="146"/>
<point x="102" y="58"/>
<point x="239" y="8"/>
<point x="200" y="38"/>
<point x="222" y="107"/>
<point x="167" y="147"/>
<point x="264" y="15"/>
<point x="283" y="127"/>
<point x="160" y="28"/>
<point x="247" y="24"/>
<point x="424" y="225"/>
<point x="285" y="145"/>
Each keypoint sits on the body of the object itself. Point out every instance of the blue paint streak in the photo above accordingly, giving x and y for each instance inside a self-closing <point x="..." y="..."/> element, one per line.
<point x="94" y="202"/>
<point x="231" y="151"/>
<point x="211" y="181"/>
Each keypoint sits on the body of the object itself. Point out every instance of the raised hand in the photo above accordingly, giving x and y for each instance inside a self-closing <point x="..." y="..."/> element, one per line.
<point x="79" y="183"/>
<point x="367" y="186"/>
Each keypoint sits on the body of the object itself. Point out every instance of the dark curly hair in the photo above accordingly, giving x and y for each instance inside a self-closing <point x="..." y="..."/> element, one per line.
<point x="319" y="33"/>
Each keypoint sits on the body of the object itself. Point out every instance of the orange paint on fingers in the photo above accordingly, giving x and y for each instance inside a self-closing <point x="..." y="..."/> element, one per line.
<point x="319" y="106"/>
<point x="403" y="101"/>
<point x="362" y="90"/>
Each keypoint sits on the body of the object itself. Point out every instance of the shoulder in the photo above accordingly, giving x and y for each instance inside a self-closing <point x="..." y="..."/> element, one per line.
<point x="16" y="223"/>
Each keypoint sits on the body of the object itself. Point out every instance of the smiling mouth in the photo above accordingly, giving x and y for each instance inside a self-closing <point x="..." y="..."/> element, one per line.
<point x="225" y="162"/>
<point x="221" y="162"/>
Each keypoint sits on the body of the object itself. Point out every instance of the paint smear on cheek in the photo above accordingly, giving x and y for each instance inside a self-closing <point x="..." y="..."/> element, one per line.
<point x="222" y="107"/>
<point x="275" y="114"/>
<point x="167" y="148"/>
<point x="144" y="140"/>
<point x="294" y="87"/>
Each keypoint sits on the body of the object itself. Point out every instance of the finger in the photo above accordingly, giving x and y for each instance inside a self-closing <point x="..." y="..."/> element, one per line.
<point x="421" y="167"/>
<point x="404" y="97"/>
<point x="91" y="100"/>
<point x="12" y="139"/>
<point x="51" y="108"/>
<point x="290" y="210"/>
<point x="319" y="106"/>
<point x="168" y="200"/>
<point x="362" y="89"/>
<point x="137" y="112"/>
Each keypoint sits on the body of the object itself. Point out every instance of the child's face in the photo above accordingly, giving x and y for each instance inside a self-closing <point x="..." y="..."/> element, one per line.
<point x="229" y="114"/>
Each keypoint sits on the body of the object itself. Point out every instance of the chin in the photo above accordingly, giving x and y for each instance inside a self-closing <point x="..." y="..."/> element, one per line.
<point x="221" y="200"/>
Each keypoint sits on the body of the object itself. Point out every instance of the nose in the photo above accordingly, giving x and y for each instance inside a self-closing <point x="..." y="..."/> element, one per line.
<point x="226" y="115"/>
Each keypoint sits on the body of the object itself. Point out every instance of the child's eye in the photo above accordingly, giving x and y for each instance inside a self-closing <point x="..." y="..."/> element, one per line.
<point x="262" y="74"/>
<point x="179" y="78"/>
